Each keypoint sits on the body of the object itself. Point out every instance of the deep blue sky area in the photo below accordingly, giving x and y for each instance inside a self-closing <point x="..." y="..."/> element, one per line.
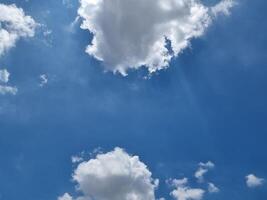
<point x="210" y="104"/>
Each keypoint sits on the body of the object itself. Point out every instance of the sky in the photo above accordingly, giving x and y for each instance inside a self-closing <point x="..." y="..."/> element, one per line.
<point x="133" y="100"/>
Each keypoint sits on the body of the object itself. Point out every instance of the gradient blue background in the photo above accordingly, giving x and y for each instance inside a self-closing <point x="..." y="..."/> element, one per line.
<point x="211" y="104"/>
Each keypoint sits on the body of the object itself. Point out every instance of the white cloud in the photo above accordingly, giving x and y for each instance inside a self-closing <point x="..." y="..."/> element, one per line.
<point x="200" y="174"/>
<point x="129" y="34"/>
<point x="4" y="88"/>
<point x="207" y="165"/>
<point x="212" y="188"/>
<point x="183" y="192"/>
<point x="253" y="181"/>
<point x="203" y="169"/>
<point x="115" y="175"/>
<point x="66" y="196"/>
<point x="8" y="90"/>
<point x="179" y="182"/>
<point x="223" y="7"/>
<point x="76" y="159"/>
<point x="43" y="79"/>
<point x="14" y="24"/>
<point x="4" y="76"/>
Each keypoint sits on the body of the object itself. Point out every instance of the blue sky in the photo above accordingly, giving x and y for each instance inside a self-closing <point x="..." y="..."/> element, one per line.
<point x="209" y="105"/>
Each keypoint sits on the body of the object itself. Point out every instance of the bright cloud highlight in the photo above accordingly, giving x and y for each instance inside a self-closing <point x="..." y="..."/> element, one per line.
<point x="43" y="80"/>
<point x="183" y="192"/>
<point x="4" y="79"/>
<point x="212" y="188"/>
<point x="130" y="34"/>
<point x="203" y="169"/>
<point x="4" y="76"/>
<point x="253" y="181"/>
<point x="14" y="24"/>
<point x="115" y="175"/>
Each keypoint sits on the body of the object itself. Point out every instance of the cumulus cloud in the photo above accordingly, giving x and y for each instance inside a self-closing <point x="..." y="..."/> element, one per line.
<point x="212" y="188"/>
<point x="253" y="181"/>
<point x="183" y="192"/>
<point x="14" y="24"/>
<point x="130" y="34"/>
<point x="115" y="175"/>
<point x="4" y="79"/>
<point x="203" y="169"/>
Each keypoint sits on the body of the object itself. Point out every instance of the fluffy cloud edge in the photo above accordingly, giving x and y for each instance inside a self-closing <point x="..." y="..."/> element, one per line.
<point x="118" y="175"/>
<point x="66" y="196"/>
<point x="252" y="181"/>
<point x="212" y="188"/>
<point x="4" y="79"/>
<point x="183" y="192"/>
<point x="203" y="169"/>
<point x="126" y="46"/>
<point x="15" y="24"/>
<point x="113" y="175"/>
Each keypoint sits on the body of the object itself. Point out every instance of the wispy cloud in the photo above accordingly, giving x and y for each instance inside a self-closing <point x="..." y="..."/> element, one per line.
<point x="212" y="188"/>
<point x="4" y="87"/>
<point x="203" y="169"/>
